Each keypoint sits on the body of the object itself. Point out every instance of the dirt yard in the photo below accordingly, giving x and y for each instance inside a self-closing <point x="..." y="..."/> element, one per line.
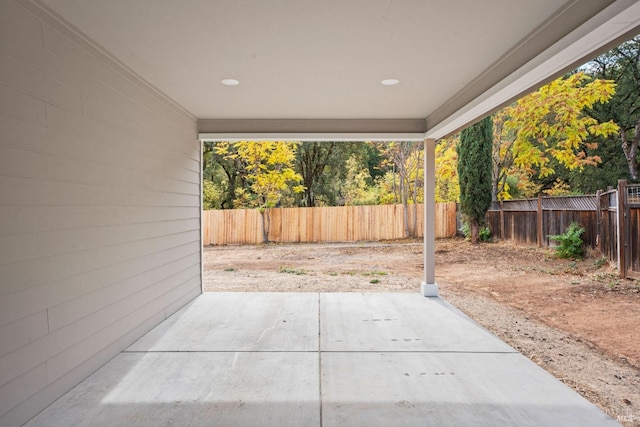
<point x="576" y="319"/>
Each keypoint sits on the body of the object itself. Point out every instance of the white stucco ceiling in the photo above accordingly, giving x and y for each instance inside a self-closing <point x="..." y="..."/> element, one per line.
<point x="324" y="59"/>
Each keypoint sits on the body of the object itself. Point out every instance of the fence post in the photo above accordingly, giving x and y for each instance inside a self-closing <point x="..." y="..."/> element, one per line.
<point x="599" y="230"/>
<point x="539" y="220"/>
<point x="621" y="226"/>
<point x="501" y="220"/>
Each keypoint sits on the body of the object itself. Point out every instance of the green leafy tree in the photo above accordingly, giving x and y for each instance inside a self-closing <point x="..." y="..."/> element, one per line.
<point x="269" y="171"/>
<point x="622" y="65"/>
<point x="322" y="166"/>
<point x="356" y="190"/>
<point x="474" y="173"/>
<point x="406" y="157"/>
<point x="548" y="131"/>
<point x="224" y="170"/>
<point x="211" y="195"/>
<point x="447" y="185"/>
<point x="312" y="160"/>
<point x="607" y="173"/>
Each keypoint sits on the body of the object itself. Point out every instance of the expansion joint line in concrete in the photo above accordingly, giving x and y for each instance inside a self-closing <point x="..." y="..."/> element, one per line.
<point x="319" y="361"/>
<point x="416" y="352"/>
<point x="219" y="351"/>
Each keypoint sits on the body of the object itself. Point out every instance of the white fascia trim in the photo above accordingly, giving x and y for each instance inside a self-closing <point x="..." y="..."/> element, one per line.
<point x="231" y="137"/>
<point x="626" y="19"/>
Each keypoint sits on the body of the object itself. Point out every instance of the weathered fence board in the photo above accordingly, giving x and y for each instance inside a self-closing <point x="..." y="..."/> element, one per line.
<point x="608" y="225"/>
<point x="532" y="221"/>
<point x="322" y="224"/>
<point x="611" y="221"/>
<point x="629" y="230"/>
<point x="633" y="245"/>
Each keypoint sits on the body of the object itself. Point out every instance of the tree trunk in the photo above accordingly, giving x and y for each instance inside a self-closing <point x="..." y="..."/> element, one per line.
<point x="475" y="231"/>
<point x="414" y="225"/>
<point x="414" y="196"/>
<point x="631" y="150"/>
<point x="404" y="191"/>
<point x="405" y="218"/>
<point x="266" y="224"/>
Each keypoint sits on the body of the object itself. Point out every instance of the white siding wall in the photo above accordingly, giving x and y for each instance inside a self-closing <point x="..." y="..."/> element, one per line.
<point x="99" y="209"/>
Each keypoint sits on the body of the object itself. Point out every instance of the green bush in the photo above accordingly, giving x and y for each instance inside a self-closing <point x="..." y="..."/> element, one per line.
<point x="571" y="244"/>
<point x="484" y="235"/>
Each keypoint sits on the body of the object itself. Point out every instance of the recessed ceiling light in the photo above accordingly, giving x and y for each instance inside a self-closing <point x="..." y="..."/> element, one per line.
<point x="230" y="82"/>
<point x="390" y="82"/>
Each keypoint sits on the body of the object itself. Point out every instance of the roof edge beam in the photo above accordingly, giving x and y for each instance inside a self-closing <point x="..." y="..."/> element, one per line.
<point x="342" y="137"/>
<point x="312" y="130"/>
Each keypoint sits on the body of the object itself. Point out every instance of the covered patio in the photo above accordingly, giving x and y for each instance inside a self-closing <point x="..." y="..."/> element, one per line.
<point x="330" y="359"/>
<point x="103" y="107"/>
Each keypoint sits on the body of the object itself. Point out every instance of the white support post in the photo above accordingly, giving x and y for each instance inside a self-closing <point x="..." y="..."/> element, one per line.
<point x="429" y="288"/>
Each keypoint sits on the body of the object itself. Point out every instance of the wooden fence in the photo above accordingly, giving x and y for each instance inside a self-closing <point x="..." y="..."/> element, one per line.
<point x="532" y="221"/>
<point x="321" y="224"/>
<point x="628" y="225"/>
<point x="611" y="220"/>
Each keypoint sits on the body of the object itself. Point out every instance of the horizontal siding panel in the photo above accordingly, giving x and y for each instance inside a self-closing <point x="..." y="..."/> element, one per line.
<point x="73" y="356"/>
<point x="16" y="21"/>
<point x="99" y="208"/>
<point x="59" y="158"/>
<point x="52" y="391"/>
<point x="16" y="305"/>
<point x="21" y="332"/>
<point x="74" y="145"/>
<point x="183" y="174"/>
<point x="52" y="344"/>
<point x="79" y="58"/>
<point x="26" y="274"/>
<point x="22" y="360"/>
<point x="100" y="100"/>
<point x="26" y="52"/>
<point x="21" y="388"/>
<point x="93" y="140"/>
<point x="22" y="164"/>
<point x="69" y="135"/>
<point x="113" y="110"/>
<point x="28" y="80"/>
<point x="73" y="310"/>
<point x="52" y="167"/>
<point x="30" y="219"/>
<point x="22" y="107"/>
<point x="98" y="329"/>
<point x="33" y="246"/>
<point x="191" y="165"/>
<point x="33" y="192"/>
<point x="191" y="292"/>
<point x="103" y="175"/>
<point x="117" y="111"/>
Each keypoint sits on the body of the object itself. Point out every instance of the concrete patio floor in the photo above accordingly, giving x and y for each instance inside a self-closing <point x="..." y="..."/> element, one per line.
<point x="306" y="359"/>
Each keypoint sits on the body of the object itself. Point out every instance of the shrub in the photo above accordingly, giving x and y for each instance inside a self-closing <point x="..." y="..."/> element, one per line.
<point x="571" y="244"/>
<point x="484" y="234"/>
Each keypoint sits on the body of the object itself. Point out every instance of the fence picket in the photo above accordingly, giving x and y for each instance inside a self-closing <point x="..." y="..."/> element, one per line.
<point x="321" y="224"/>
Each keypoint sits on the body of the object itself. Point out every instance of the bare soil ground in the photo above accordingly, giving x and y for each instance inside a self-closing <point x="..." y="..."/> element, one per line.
<point x="576" y="319"/>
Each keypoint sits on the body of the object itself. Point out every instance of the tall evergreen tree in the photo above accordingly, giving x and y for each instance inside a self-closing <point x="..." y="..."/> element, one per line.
<point x="475" y="174"/>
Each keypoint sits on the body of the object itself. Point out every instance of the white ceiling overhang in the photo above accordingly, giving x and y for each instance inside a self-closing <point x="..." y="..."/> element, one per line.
<point x="311" y="69"/>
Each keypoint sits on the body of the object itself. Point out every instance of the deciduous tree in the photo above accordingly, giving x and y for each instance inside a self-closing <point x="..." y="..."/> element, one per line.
<point x="406" y="158"/>
<point x="550" y="126"/>
<point x="447" y="186"/>
<point x="622" y="65"/>
<point x="269" y="172"/>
